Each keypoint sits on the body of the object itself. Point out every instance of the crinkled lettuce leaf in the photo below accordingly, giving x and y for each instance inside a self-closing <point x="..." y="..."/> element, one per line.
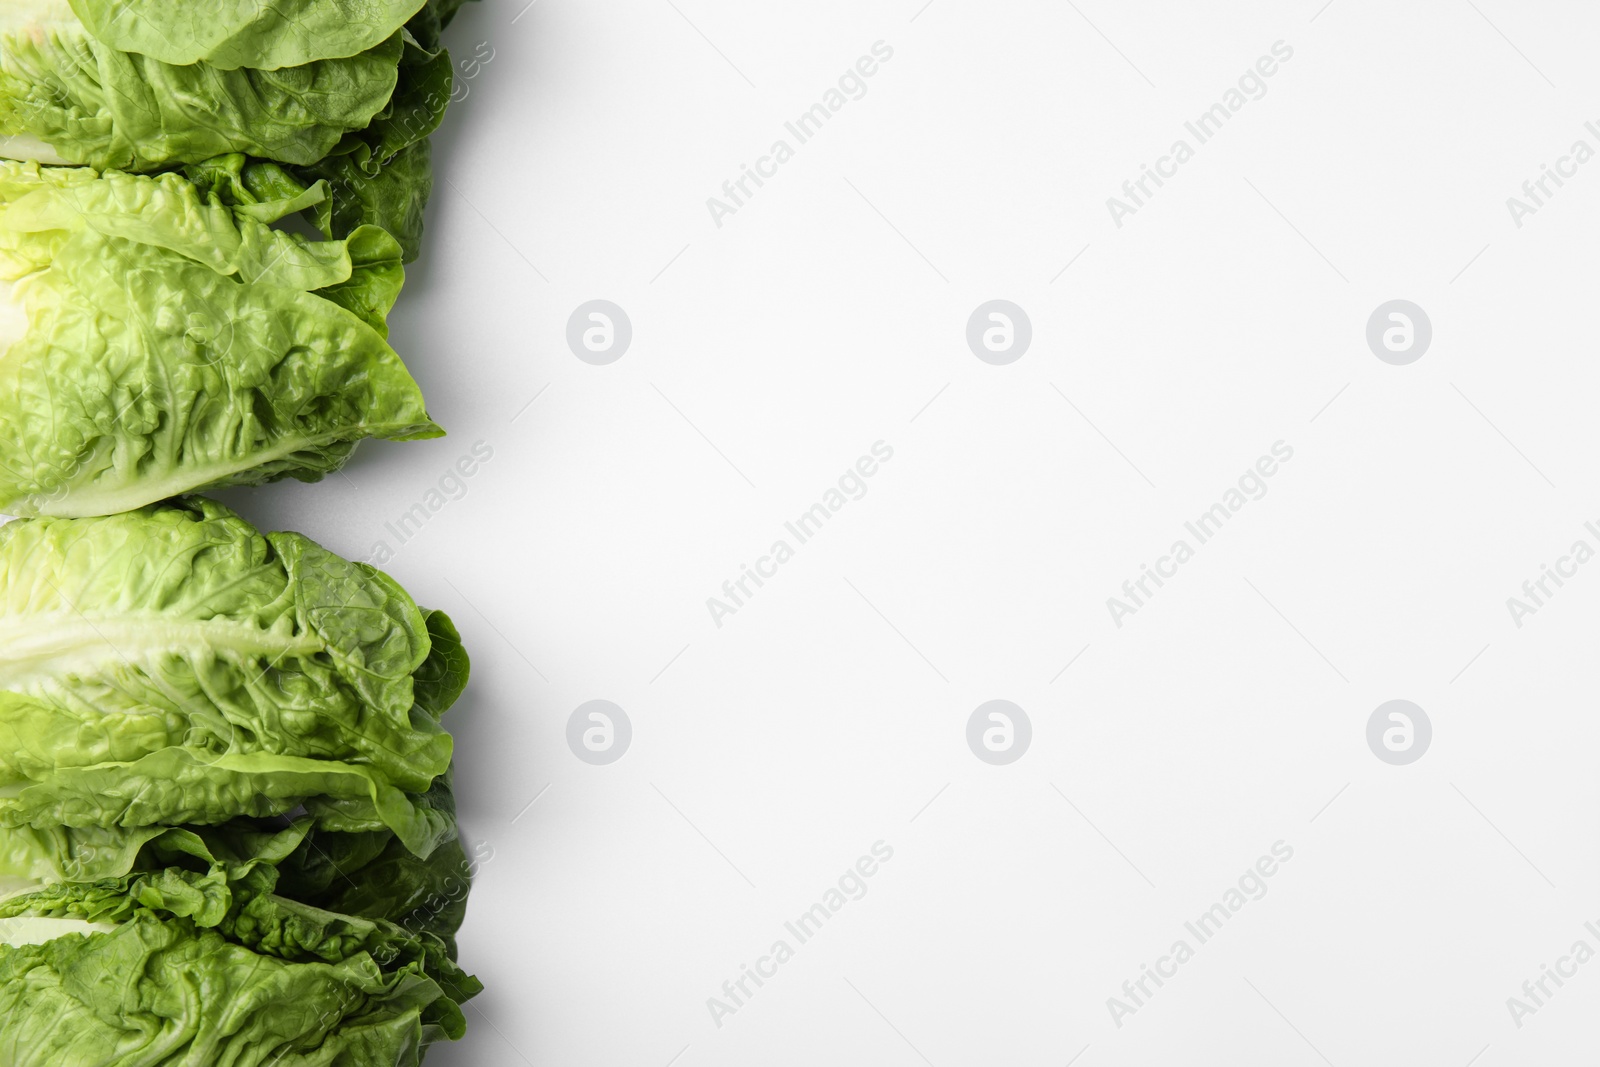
<point x="228" y="879"/>
<point x="173" y="665"/>
<point x="429" y="23"/>
<point x="262" y="897"/>
<point x="70" y="96"/>
<point x="103" y="92"/>
<point x="159" y="337"/>
<point x="376" y="876"/>
<point x="266" y="34"/>
<point x="177" y="786"/>
<point x="193" y="871"/>
<point x="154" y="990"/>
<point x="381" y="175"/>
<point x="188" y="872"/>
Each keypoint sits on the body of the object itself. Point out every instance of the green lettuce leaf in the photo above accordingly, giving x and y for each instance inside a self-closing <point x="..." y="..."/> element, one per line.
<point x="375" y="876"/>
<point x="31" y="858"/>
<point x="173" y="665"/>
<point x="166" y="991"/>
<point x="68" y="95"/>
<point x="227" y="34"/>
<point x="267" y="888"/>
<point x="442" y="678"/>
<point x="391" y="193"/>
<point x="196" y="871"/>
<point x="159" y="337"/>
<point x="175" y="786"/>
<point x="98" y="93"/>
<point x="427" y="25"/>
<point x="192" y="873"/>
<point x="235" y="888"/>
<point x="381" y="175"/>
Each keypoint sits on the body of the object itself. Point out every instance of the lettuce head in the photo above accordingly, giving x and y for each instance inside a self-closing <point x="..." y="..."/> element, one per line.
<point x="173" y="666"/>
<point x="227" y="827"/>
<point x="158" y="336"/>
<point x="338" y="91"/>
<point x="146" y="84"/>
<point x="231" y="966"/>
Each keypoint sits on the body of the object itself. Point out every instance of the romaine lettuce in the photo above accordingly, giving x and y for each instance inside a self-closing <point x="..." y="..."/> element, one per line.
<point x="166" y="991"/>
<point x="342" y="91"/>
<point x="227" y="827"/>
<point x="229" y="34"/>
<point x="261" y="899"/>
<point x="383" y="175"/>
<point x="148" y="84"/>
<point x="158" y="337"/>
<point x="172" y="665"/>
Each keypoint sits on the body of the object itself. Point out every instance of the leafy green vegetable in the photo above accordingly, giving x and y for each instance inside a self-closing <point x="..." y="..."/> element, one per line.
<point x="242" y="894"/>
<point x="423" y="894"/>
<point x="430" y="22"/>
<point x="227" y="827"/>
<point x="158" y="337"/>
<point x="194" y="871"/>
<point x="381" y="175"/>
<point x="148" y="84"/>
<point x="165" y="991"/>
<point x="228" y="34"/>
<point x="339" y="91"/>
<point x="172" y="665"/>
<point x="261" y="899"/>
<point x="30" y="857"/>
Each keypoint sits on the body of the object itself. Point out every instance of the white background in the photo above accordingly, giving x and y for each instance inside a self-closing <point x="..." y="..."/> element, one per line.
<point x="829" y="313"/>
